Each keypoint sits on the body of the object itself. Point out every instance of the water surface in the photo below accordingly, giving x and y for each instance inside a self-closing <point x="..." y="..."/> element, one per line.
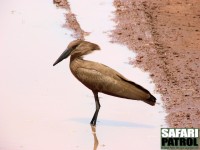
<point x="45" y="107"/>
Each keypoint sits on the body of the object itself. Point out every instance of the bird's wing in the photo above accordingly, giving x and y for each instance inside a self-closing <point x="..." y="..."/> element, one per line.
<point x="107" y="71"/>
<point x="94" y="79"/>
<point x="109" y="81"/>
<point x="103" y="69"/>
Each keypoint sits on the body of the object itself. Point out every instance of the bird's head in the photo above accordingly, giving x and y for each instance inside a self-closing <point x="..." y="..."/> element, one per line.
<point x="77" y="48"/>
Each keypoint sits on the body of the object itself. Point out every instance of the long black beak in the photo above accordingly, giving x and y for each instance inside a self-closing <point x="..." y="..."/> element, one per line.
<point x="64" y="55"/>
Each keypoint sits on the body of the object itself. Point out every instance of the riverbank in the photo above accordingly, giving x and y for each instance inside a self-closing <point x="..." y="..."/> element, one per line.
<point x="166" y="35"/>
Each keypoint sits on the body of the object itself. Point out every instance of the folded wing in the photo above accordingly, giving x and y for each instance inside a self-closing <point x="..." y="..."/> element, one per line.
<point x="104" y="79"/>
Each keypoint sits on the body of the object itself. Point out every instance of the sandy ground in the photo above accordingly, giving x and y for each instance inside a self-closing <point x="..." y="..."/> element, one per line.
<point x="71" y="22"/>
<point x="165" y="34"/>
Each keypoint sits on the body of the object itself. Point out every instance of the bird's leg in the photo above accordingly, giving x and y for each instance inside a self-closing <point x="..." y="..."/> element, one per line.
<point x="94" y="118"/>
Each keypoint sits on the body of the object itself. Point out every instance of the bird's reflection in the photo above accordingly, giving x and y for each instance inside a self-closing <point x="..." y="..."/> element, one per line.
<point x="96" y="142"/>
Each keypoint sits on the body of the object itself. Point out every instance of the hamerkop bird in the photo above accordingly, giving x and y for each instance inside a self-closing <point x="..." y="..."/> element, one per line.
<point x="100" y="78"/>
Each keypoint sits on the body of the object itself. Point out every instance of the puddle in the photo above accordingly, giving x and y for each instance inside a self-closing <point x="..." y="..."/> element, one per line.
<point x="45" y="107"/>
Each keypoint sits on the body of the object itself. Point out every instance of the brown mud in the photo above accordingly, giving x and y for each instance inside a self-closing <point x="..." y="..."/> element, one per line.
<point x="71" y="21"/>
<point x="166" y="36"/>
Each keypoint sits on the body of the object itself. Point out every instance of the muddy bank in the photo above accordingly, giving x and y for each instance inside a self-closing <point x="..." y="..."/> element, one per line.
<point x="71" y="22"/>
<point x="166" y="35"/>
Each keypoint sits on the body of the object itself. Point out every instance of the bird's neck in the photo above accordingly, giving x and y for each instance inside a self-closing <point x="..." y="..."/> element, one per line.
<point x="75" y="62"/>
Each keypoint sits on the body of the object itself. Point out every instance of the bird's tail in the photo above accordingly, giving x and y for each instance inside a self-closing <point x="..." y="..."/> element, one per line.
<point x="151" y="100"/>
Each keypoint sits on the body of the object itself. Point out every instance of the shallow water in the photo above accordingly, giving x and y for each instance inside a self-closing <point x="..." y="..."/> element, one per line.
<point x="45" y="107"/>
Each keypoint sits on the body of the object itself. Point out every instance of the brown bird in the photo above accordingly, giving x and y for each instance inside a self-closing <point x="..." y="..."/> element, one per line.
<point x="100" y="78"/>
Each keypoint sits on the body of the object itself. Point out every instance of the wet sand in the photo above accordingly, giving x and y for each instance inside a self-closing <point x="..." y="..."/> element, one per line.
<point x="165" y="35"/>
<point x="71" y="21"/>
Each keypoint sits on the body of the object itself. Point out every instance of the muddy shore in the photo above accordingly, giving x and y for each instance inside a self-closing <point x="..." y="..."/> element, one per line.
<point x="165" y="34"/>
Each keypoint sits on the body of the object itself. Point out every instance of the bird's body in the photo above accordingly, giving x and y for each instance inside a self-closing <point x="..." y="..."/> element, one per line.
<point x="104" y="79"/>
<point x="101" y="78"/>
